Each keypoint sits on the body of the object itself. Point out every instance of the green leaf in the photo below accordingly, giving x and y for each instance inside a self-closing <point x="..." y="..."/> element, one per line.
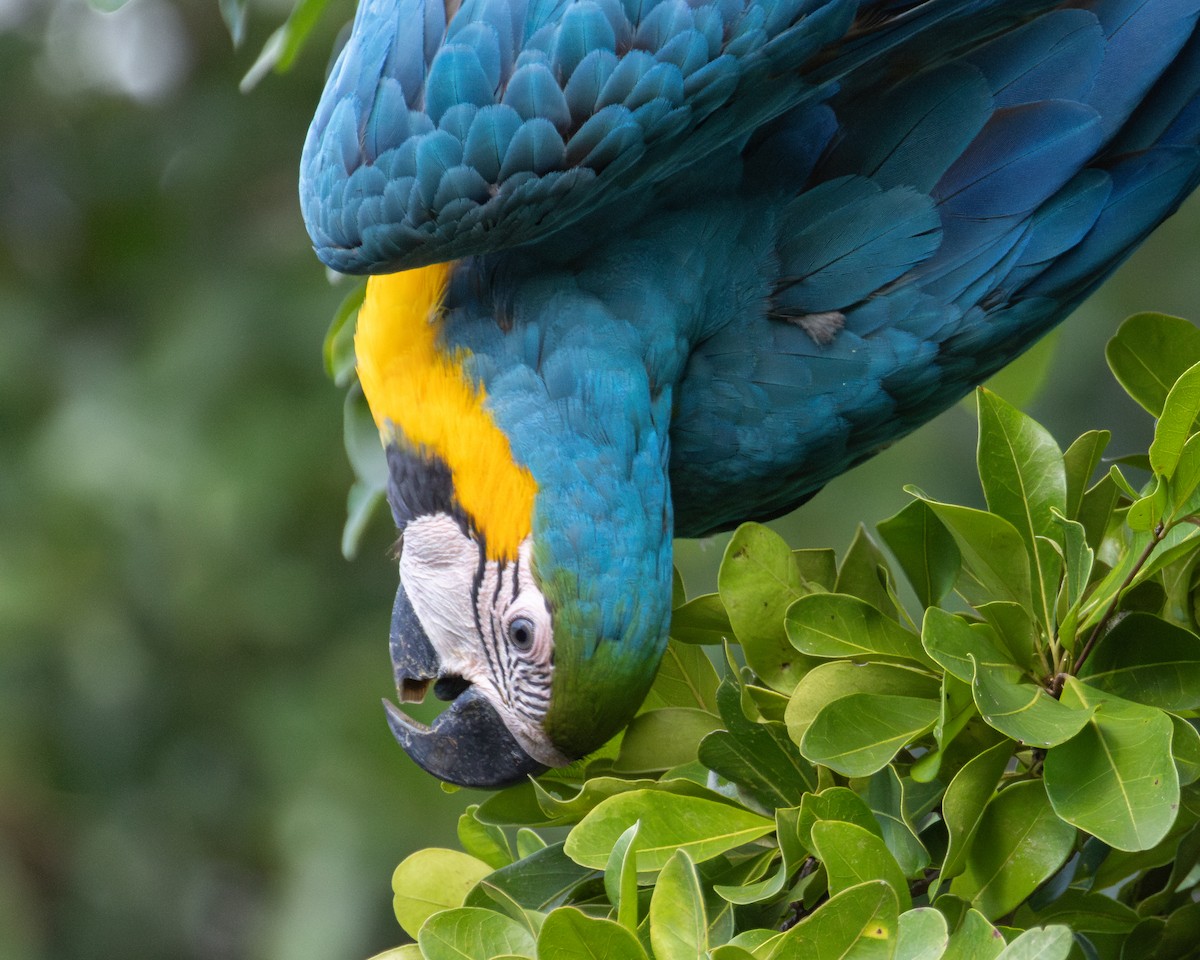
<point x="431" y="880"/>
<point x="953" y="643"/>
<point x="759" y="757"/>
<point x="852" y="855"/>
<point x="1023" y="477"/>
<point x="701" y="620"/>
<point x="678" y="925"/>
<point x="484" y="841"/>
<point x="995" y="563"/>
<point x="1185" y="747"/>
<point x="703" y="828"/>
<point x="758" y="580"/>
<point x="338" y="349"/>
<point x="861" y="733"/>
<point x="836" y="625"/>
<point x="864" y="573"/>
<point x="362" y="503"/>
<point x="541" y="881"/>
<point x="974" y="938"/>
<point x="1015" y="629"/>
<point x="1083" y="912"/>
<point x="966" y="799"/>
<point x="885" y="793"/>
<point x="369" y="464"/>
<point x="793" y="852"/>
<point x="923" y="935"/>
<point x="1149" y="353"/>
<point x="1176" y="421"/>
<point x="834" y="803"/>
<point x="472" y="933"/>
<point x="559" y="807"/>
<point x="832" y="681"/>
<point x="490" y="897"/>
<point x="408" y="951"/>
<point x="620" y="879"/>
<point x="662" y="739"/>
<point x="685" y="678"/>
<point x="925" y="549"/>
<point x="1079" y="464"/>
<point x="1116" y="778"/>
<point x="861" y="923"/>
<point x="1023" y="711"/>
<point x="570" y="934"/>
<point x="529" y="843"/>
<point x="818" y="566"/>
<point x="281" y="48"/>
<point x="1027" y="843"/>
<point x="1145" y="659"/>
<point x="1041" y="943"/>
<point x="1096" y="511"/>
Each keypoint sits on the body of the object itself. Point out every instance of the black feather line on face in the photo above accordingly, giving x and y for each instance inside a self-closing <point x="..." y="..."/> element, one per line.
<point x="420" y="485"/>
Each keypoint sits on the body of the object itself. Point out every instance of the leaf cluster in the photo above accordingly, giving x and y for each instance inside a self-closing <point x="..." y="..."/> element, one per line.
<point x="1003" y="767"/>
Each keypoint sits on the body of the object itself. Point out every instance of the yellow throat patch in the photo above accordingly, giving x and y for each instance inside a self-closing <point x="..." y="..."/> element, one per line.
<point x="422" y="397"/>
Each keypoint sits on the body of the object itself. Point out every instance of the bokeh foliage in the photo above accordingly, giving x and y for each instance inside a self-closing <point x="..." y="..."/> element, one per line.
<point x="1003" y="767"/>
<point x="193" y="761"/>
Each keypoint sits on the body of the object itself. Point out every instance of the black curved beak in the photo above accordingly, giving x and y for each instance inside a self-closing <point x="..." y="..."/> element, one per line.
<point x="468" y="744"/>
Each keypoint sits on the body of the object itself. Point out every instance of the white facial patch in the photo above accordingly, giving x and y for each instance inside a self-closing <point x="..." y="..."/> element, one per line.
<point x="487" y="621"/>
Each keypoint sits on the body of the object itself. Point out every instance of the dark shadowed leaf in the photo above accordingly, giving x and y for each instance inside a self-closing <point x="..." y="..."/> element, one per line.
<point x="1080" y="461"/>
<point x="1146" y="659"/>
<point x="540" y="881"/>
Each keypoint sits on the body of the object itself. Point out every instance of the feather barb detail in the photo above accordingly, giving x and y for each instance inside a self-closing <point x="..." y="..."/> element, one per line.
<point x="421" y="396"/>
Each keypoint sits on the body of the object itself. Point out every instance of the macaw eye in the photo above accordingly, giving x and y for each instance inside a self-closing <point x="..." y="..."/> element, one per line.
<point x="521" y="633"/>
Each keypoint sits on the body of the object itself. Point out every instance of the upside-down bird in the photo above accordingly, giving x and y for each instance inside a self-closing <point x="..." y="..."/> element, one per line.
<point x="650" y="268"/>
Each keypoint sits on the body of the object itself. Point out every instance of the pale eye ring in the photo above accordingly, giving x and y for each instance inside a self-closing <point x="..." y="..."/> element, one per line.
<point x="522" y="633"/>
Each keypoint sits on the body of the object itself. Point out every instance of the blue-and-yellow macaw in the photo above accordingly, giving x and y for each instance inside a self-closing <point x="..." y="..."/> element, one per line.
<point x="650" y="268"/>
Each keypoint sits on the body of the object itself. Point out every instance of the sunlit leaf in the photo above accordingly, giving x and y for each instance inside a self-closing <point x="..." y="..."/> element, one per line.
<point x="430" y="880"/>
<point x="570" y="934"/>
<point x="484" y="841"/>
<point x="832" y="681"/>
<point x="861" y="733"/>
<point x="471" y="933"/>
<point x="923" y="935"/>
<point x="678" y="926"/>
<point x="703" y="828"/>
<point x="620" y="878"/>
<point x="701" y="620"/>
<point x="1040" y="943"/>
<point x="974" y="938"/>
<point x="1176" y="422"/>
<point x="838" y="625"/>
<point x="758" y="580"/>
<point x="861" y="923"/>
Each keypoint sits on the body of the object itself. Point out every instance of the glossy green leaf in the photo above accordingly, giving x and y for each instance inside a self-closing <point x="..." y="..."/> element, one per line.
<point x="1083" y="912"/>
<point x="1185" y="748"/>
<point x="836" y="625"/>
<point x="561" y="804"/>
<point x="956" y="645"/>
<point x="995" y="564"/>
<point x="966" y="799"/>
<point x="471" y="933"/>
<point x="832" y="681"/>
<point x="1115" y="778"/>
<point x="620" y="878"/>
<point x="923" y="935"/>
<point x="662" y="739"/>
<point x="957" y="709"/>
<point x="834" y="803"/>
<point x="1096" y="510"/>
<point x="758" y="580"/>
<point x="484" y="841"/>
<point x="1026" y="844"/>
<point x="430" y="880"/>
<point x="1040" y="943"/>
<point x="1149" y="353"/>
<point x="490" y="897"/>
<point x="1014" y="628"/>
<point x="529" y="843"/>
<point x="678" y="926"/>
<point x="792" y="851"/>
<point x="1022" y="472"/>
<point x="1176" y="422"/>
<point x="703" y="828"/>
<point x="702" y="620"/>
<point x="861" y="923"/>
<point x="570" y="934"/>
<point x="1145" y="659"/>
<point x="1024" y="711"/>
<point x="852" y="855"/>
<point x="541" y="881"/>
<point x="760" y="757"/>
<point x="1080" y="461"/>
<point x="860" y="734"/>
<point x="925" y="549"/>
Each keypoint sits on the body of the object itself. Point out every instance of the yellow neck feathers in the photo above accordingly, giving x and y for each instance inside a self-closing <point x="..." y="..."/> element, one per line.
<point x="422" y="397"/>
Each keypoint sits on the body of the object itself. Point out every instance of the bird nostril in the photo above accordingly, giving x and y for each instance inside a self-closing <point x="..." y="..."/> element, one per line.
<point x="449" y="687"/>
<point x="413" y="691"/>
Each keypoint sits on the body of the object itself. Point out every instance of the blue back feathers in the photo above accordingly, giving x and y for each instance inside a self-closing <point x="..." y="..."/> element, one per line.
<point x="923" y="188"/>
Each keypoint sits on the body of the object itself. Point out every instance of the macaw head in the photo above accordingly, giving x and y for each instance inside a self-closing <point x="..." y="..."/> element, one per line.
<point x="542" y="637"/>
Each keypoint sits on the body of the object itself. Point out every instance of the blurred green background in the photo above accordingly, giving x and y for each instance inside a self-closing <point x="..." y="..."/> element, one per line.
<point x="193" y="760"/>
